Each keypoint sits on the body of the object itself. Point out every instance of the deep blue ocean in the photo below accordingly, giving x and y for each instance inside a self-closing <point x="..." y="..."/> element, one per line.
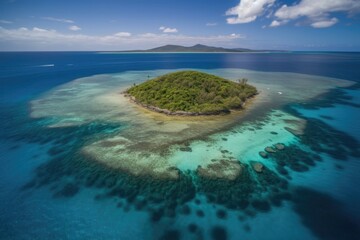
<point x="321" y="202"/>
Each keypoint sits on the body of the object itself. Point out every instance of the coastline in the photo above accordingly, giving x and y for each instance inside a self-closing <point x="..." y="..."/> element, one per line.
<point x="167" y="112"/>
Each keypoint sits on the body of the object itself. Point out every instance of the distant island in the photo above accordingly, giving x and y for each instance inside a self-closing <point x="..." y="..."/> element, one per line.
<point x="198" y="48"/>
<point x="191" y="93"/>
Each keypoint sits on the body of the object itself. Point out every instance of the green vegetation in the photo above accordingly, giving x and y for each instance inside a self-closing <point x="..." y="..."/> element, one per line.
<point x="194" y="92"/>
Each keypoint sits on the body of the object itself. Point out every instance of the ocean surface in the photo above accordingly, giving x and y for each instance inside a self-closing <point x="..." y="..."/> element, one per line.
<point x="72" y="152"/>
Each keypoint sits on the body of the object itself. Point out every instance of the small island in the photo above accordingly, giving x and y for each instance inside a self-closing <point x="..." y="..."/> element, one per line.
<point x="191" y="93"/>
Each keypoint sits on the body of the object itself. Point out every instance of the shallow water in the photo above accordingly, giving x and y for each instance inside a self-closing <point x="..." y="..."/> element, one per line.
<point x="143" y="146"/>
<point x="82" y="162"/>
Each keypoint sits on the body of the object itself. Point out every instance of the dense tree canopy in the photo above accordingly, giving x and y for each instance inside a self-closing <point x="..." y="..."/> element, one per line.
<point x="193" y="91"/>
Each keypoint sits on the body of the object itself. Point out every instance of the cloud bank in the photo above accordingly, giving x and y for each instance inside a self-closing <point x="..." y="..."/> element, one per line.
<point x="316" y="13"/>
<point x="46" y="39"/>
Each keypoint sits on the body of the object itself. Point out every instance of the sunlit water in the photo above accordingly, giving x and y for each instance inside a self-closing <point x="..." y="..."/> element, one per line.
<point x="81" y="162"/>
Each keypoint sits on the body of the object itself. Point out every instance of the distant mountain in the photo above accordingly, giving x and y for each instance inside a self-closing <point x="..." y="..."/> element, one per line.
<point x="195" y="48"/>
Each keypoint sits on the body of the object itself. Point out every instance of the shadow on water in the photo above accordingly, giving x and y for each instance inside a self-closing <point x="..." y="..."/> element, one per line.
<point x="333" y="97"/>
<point x="171" y="235"/>
<point x="321" y="137"/>
<point x="219" y="233"/>
<point x="323" y="215"/>
<point x="317" y="137"/>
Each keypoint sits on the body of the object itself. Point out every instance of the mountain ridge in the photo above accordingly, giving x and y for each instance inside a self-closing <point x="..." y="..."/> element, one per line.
<point x="195" y="48"/>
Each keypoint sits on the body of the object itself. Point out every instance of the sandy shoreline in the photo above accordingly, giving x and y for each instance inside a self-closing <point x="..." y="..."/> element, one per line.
<point x="132" y="99"/>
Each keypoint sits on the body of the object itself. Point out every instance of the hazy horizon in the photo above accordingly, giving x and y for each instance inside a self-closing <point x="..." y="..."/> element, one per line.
<point x="108" y="25"/>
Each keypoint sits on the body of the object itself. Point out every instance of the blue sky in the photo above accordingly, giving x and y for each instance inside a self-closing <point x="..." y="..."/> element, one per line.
<point x="141" y="24"/>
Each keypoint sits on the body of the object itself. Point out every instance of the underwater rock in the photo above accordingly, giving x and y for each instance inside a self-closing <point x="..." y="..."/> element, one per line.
<point x="221" y="214"/>
<point x="186" y="210"/>
<point x="232" y="194"/>
<point x="140" y="204"/>
<point x="192" y="227"/>
<point x="258" y="167"/>
<point x="170" y="213"/>
<point x="223" y="169"/>
<point x="280" y="146"/>
<point x="186" y="149"/>
<point x="200" y="213"/>
<point x="156" y="215"/>
<point x="262" y="206"/>
<point x="69" y="190"/>
<point x="171" y="235"/>
<point x="270" y="150"/>
<point x="298" y="126"/>
<point x="219" y="233"/>
<point x="247" y="228"/>
<point x="296" y="132"/>
<point x="297" y="167"/>
<point x="282" y="170"/>
<point x="263" y="154"/>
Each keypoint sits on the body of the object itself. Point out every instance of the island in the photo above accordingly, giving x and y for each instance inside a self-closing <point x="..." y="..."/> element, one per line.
<point x="197" y="48"/>
<point x="191" y="93"/>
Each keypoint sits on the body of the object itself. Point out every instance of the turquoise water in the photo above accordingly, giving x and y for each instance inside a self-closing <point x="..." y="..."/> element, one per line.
<point x="67" y="142"/>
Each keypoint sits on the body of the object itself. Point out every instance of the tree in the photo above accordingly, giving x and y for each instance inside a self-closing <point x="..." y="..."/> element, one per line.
<point x="242" y="81"/>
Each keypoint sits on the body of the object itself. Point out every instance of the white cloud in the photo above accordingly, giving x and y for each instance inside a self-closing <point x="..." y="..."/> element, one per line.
<point x="148" y="35"/>
<point x="277" y="23"/>
<point x="63" y="20"/>
<point x="324" y="23"/>
<point x="319" y="11"/>
<point x="248" y="10"/>
<point x="211" y="24"/>
<point x="234" y="35"/>
<point x="44" y="39"/>
<point x="36" y="29"/>
<point x="168" y="30"/>
<point x="74" y="28"/>
<point x="317" y="8"/>
<point x="5" y="21"/>
<point x="122" y="34"/>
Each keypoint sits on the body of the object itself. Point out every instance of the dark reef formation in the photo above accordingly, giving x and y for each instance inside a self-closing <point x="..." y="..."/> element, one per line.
<point x="255" y="189"/>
